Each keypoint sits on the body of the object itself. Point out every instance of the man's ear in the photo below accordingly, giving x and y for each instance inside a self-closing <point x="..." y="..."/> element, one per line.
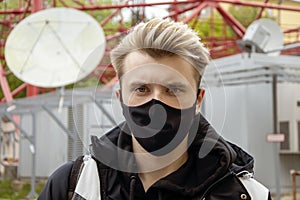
<point x="199" y="99"/>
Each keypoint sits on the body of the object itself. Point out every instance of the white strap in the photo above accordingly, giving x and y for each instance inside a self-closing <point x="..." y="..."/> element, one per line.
<point x="88" y="185"/>
<point x="255" y="189"/>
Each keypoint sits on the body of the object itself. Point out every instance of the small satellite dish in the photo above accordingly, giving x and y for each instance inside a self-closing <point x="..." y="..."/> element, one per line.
<point x="263" y="36"/>
<point x="55" y="47"/>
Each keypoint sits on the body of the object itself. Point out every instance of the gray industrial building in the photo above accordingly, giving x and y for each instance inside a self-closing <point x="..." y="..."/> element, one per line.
<point x="252" y="95"/>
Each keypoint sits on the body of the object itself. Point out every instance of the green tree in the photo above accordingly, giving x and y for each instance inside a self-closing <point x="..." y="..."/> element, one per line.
<point x="246" y="15"/>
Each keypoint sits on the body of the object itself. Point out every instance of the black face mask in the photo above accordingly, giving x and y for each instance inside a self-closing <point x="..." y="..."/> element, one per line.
<point x="157" y="127"/>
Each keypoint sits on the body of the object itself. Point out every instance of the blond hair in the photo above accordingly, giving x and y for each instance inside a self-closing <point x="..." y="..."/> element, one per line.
<point x="159" y="38"/>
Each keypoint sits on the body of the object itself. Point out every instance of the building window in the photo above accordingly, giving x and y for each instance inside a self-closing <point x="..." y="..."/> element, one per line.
<point x="284" y="129"/>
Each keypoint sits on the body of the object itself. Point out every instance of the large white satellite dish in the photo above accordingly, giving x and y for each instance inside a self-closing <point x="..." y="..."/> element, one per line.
<point x="264" y="36"/>
<point x="55" y="47"/>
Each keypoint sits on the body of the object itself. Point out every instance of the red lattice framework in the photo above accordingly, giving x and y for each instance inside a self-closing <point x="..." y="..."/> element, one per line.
<point x="188" y="11"/>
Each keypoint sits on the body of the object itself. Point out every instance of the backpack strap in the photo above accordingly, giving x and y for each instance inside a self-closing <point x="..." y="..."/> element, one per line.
<point x="74" y="176"/>
<point x="88" y="184"/>
<point x="256" y="190"/>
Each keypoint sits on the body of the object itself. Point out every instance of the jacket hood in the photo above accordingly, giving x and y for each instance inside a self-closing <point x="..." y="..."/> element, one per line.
<point x="210" y="158"/>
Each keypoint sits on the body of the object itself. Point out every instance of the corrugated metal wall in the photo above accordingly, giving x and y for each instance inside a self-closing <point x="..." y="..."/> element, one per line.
<point x="249" y="117"/>
<point x="53" y="146"/>
<point x="76" y="126"/>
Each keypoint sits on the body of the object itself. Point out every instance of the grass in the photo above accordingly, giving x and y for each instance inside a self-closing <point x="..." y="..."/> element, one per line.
<point x="17" y="189"/>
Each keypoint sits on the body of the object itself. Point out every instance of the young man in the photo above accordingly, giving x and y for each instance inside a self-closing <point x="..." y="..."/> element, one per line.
<point x="165" y="149"/>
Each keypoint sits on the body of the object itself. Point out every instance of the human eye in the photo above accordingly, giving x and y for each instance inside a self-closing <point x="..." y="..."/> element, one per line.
<point x="141" y="89"/>
<point x="174" y="90"/>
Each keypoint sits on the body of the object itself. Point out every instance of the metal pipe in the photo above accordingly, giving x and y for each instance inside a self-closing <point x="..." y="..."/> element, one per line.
<point x="65" y="4"/>
<point x="180" y="11"/>
<point x="292" y="30"/>
<point x="261" y="11"/>
<point x="222" y="47"/>
<point x="78" y="3"/>
<point x="101" y="7"/>
<point x="294" y="192"/>
<point x="243" y="3"/>
<point x="246" y="83"/>
<point x="286" y="47"/>
<point x="262" y="5"/>
<point x="116" y="35"/>
<point x="104" y="111"/>
<point x="106" y="20"/>
<point x="5" y="86"/>
<point x="294" y="174"/>
<point x="37" y="5"/>
<point x="14" y="11"/>
<point x="175" y="7"/>
<point x="212" y="25"/>
<point x="59" y="123"/>
<point x="25" y="10"/>
<point x="22" y="131"/>
<point x="32" y="193"/>
<point x="196" y="12"/>
<point x="276" y="145"/>
<point x="19" y="89"/>
<point x="237" y="27"/>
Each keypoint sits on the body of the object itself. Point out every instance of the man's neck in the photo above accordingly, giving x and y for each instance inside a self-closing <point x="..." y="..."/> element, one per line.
<point x="153" y="168"/>
<point x="149" y="178"/>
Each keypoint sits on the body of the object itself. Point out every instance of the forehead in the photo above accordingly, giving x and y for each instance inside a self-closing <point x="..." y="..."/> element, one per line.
<point x="140" y="67"/>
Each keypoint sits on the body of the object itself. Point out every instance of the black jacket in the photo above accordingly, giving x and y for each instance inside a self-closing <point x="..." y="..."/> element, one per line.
<point x="210" y="172"/>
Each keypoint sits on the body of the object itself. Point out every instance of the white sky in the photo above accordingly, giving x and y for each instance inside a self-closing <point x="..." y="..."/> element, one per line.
<point x="155" y="11"/>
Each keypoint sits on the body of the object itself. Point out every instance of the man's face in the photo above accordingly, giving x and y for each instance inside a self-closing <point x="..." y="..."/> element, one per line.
<point x="168" y="79"/>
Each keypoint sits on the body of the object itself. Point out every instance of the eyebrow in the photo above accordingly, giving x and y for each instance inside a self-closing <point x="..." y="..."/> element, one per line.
<point x="137" y="83"/>
<point x="176" y="84"/>
<point x="168" y="84"/>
